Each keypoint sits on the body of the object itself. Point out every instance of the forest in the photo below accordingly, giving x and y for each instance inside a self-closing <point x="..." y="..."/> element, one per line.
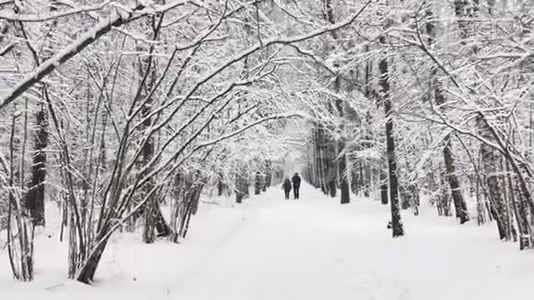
<point x="124" y="115"/>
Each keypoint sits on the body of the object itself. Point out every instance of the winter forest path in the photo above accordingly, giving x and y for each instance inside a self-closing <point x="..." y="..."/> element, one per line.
<point x="312" y="248"/>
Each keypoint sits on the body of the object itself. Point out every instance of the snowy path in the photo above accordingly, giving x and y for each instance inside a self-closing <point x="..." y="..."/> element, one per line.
<point x="309" y="249"/>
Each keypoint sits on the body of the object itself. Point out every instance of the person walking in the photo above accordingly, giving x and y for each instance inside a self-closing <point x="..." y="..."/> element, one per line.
<point x="296" y="185"/>
<point x="287" y="187"/>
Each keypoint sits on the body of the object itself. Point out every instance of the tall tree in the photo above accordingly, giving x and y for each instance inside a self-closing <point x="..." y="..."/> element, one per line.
<point x="384" y="82"/>
<point x="341" y="156"/>
<point x="440" y="99"/>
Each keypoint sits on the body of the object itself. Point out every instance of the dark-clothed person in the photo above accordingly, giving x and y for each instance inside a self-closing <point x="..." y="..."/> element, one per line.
<point x="287" y="187"/>
<point x="296" y="185"/>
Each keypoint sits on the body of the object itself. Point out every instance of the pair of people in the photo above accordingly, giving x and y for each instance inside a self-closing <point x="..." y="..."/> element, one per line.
<point x="287" y="185"/>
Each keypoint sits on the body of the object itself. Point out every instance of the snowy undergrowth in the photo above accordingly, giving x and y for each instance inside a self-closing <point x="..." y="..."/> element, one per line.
<point x="270" y="248"/>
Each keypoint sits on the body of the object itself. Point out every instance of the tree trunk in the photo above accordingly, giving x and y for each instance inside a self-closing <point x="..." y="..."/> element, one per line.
<point x="241" y="186"/>
<point x="384" y="198"/>
<point x="343" y="182"/>
<point x="269" y="174"/>
<point x="459" y="203"/>
<point x="220" y="186"/>
<point x="36" y="191"/>
<point x="490" y="162"/>
<point x="257" y="184"/>
<point x="342" y="158"/>
<point x="87" y="273"/>
<point x="321" y="161"/>
<point x="396" y="223"/>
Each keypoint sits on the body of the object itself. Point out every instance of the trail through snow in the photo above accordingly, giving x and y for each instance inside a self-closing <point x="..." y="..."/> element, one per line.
<point x="312" y="248"/>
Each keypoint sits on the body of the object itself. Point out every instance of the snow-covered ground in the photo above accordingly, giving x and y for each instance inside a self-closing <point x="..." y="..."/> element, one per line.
<point x="312" y="248"/>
